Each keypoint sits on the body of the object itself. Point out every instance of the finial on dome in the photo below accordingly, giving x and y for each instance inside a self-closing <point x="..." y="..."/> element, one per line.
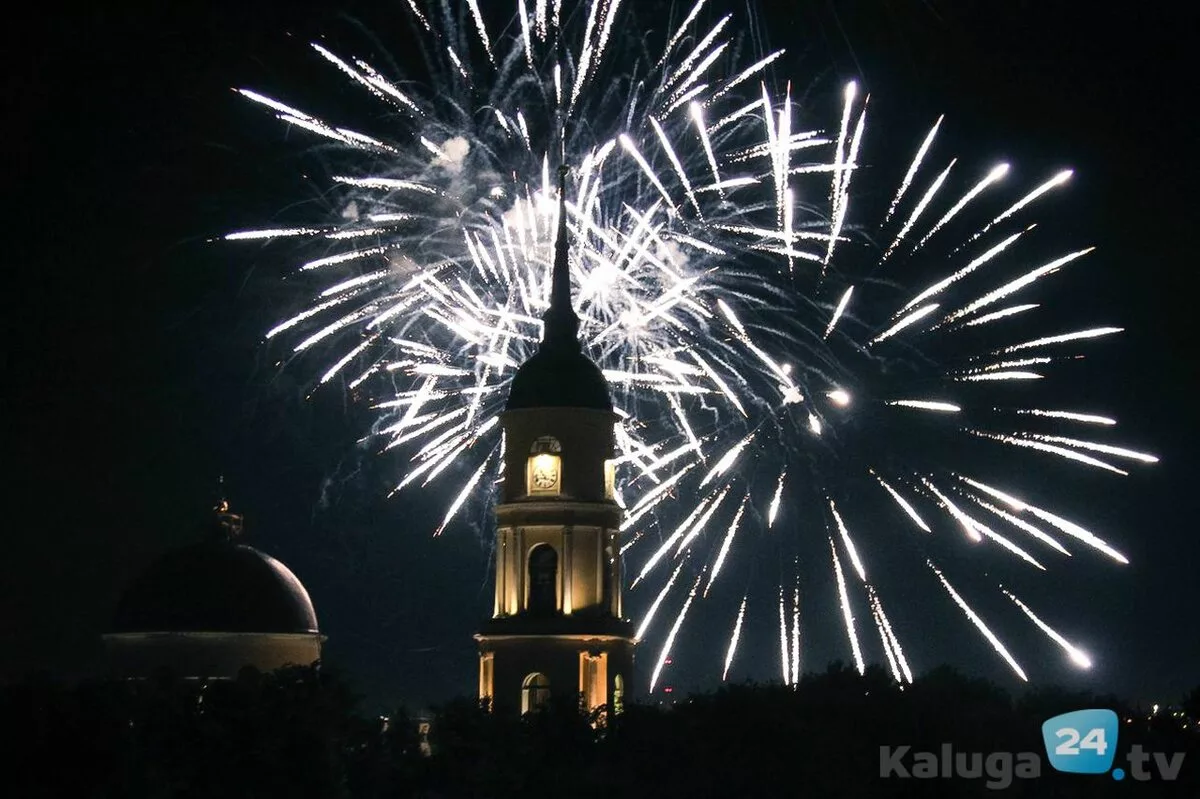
<point x="561" y="324"/>
<point x="225" y="525"/>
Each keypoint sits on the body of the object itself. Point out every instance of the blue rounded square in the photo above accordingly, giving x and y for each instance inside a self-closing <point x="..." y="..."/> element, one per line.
<point x="1081" y="742"/>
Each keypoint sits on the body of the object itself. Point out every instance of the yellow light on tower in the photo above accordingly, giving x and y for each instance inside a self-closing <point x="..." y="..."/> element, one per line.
<point x="545" y="474"/>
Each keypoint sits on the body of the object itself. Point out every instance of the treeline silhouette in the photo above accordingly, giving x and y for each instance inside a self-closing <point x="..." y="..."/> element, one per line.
<point x="299" y="732"/>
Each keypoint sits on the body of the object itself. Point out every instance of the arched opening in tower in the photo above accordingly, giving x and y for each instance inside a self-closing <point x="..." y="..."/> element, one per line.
<point x="543" y="579"/>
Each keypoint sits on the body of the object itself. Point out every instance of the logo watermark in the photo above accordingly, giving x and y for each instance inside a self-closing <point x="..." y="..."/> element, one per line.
<point x="998" y="767"/>
<point x="1085" y="742"/>
<point x="1080" y="742"/>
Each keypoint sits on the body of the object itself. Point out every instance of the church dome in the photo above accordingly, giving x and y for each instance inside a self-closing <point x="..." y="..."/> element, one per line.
<point x="559" y="377"/>
<point x="216" y="586"/>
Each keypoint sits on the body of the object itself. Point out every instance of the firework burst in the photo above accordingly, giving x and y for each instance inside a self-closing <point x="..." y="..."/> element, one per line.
<point x="880" y="405"/>
<point x="766" y="359"/>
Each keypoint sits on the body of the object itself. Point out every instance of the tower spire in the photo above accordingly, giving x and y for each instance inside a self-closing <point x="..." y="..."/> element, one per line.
<point x="561" y="324"/>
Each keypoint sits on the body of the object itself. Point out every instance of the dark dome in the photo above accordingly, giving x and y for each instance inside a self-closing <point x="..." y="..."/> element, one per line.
<point x="216" y="586"/>
<point x="559" y="377"/>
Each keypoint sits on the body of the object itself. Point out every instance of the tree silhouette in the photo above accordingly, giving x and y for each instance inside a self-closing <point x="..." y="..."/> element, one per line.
<point x="298" y="732"/>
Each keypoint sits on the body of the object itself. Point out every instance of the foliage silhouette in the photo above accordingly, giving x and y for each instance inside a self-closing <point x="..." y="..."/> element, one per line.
<point x="299" y="732"/>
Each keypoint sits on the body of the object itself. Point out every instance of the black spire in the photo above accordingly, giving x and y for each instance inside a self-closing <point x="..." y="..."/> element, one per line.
<point x="559" y="374"/>
<point x="561" y="329"/>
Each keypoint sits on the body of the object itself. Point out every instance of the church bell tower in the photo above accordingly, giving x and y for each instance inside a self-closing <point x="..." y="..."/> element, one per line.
<point x="557" y="627"/>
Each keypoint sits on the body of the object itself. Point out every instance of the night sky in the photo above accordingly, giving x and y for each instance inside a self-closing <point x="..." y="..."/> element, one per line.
<point x="136" y="373"/>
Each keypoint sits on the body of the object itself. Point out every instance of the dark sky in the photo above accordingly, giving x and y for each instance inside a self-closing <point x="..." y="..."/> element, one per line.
<point x="135" y="373"/>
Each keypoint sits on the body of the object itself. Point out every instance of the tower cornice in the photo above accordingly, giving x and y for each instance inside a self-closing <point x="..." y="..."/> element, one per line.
<point x="529" y="512"/>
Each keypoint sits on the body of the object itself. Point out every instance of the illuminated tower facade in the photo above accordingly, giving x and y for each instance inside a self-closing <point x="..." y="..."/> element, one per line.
<point x="557" y="627"/>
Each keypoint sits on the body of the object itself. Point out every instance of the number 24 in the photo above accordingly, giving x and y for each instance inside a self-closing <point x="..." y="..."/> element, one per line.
<point x="1094" y="740"/>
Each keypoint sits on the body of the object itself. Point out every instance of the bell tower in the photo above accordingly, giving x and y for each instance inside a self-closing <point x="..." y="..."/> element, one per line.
<point x="557" y="627"/>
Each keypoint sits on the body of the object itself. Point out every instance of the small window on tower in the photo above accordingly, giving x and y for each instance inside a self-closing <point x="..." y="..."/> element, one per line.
<point x="543" y="474"/>
<point x="610" y="479"/>
<point x="535" y="692"/>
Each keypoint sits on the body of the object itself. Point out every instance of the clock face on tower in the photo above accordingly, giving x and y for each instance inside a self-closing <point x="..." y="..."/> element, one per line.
<point x="544" y="473"/>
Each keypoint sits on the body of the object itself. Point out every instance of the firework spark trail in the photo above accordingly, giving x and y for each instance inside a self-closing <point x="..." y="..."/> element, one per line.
<point x="666" y="649"/>
<point x="997" y="172"/>
<point x="968" y="525"/>
<point x="658" y="600"/>
<point x="847" y="612"/>
<point x="733" y="640"/>
<point x="461" y="498"/>
<point x="697" y="112"/>
<point x="884" y="639"/>
<point x="923" y="204"/>
<point x="703" y="520"/>
<point x="849" y="544"/>
<point x="892" y="640"/>
<point x="795" y="635"/>
<point x="904" y="504"/>
<point x="773" y="510"/>
<point x="1107" y="449"/>
<point x="1052" y="183"/>
<point x="843" y="168"/>
<point x="995" y="376"/>
<point x="966" y="270"/>
<point x="1077" y="655"/>
<point x="838" y="311"/>
<point x="979" y="623"/>
<point x="1001" y="365"/>
<point x="691" y="200"/>
<point x="679" y="33"/>
<point x="988" y="532"/>
<point x="726" y="544"/>
<point x="1014" y="286"/>
<point x="1053" y="449"/>
<point x="1075" y="416"/>
<point x="1020" y="524"/>
<point x="915" y="165"/>
<point x="904" y="322"/>
<point x="927" y="405"/>
<point x="997" y="314"/>
<point x="783" y="641"/>
<point x="1070" y="528"/>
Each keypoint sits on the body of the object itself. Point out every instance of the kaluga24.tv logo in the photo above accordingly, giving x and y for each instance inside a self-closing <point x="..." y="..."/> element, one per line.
<point x="1080" y="742"/>
<point x="1085" y="742"/>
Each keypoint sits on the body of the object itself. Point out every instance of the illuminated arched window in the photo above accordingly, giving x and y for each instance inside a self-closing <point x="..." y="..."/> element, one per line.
<point x="535" y="692"/>
<point x="543" y="474"/>
<point x="618" y="701"/>
<point x="543" y="579"/>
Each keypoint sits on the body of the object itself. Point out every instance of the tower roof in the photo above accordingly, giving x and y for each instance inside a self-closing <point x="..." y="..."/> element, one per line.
<point x="560" y="375"/>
